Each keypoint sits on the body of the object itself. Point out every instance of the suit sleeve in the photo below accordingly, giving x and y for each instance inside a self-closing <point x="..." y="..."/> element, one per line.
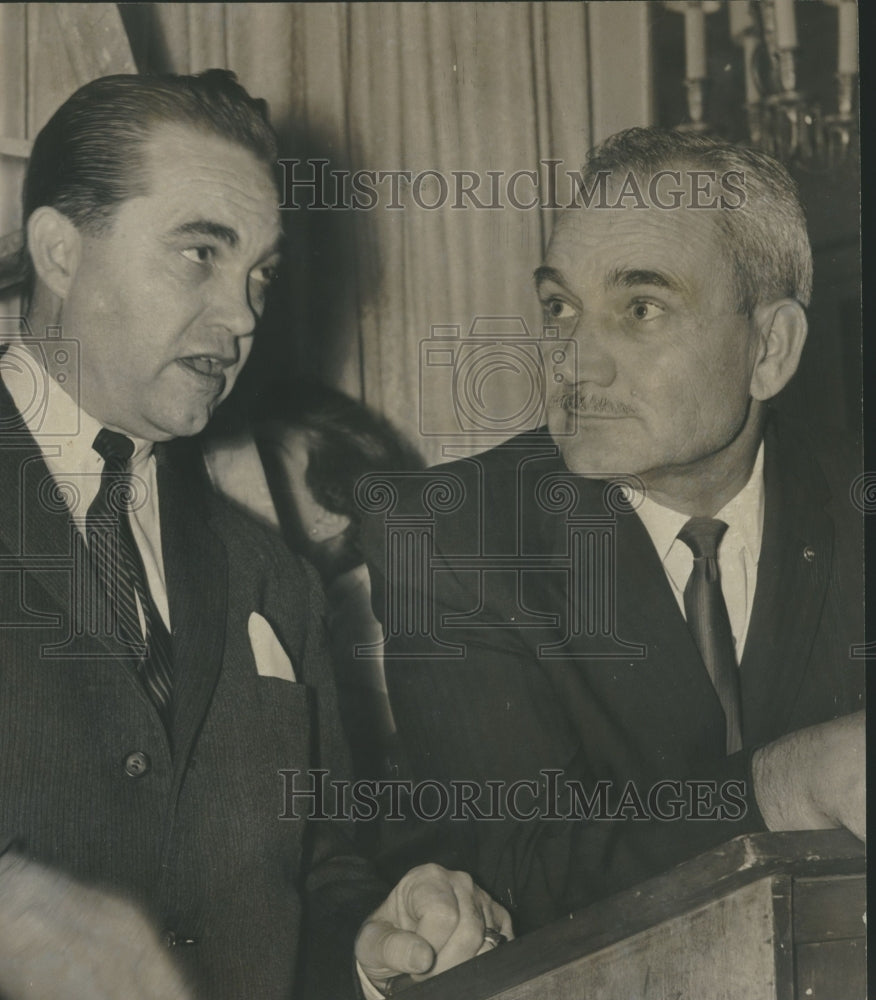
<point x="340" y="887"/>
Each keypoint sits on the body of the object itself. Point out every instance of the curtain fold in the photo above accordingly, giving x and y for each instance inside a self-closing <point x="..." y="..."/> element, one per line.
<point x="47" y="50"/>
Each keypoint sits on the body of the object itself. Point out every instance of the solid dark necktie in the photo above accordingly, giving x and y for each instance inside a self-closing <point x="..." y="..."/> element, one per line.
<point x="709" y="622"/>
<point x="120" y="567"/>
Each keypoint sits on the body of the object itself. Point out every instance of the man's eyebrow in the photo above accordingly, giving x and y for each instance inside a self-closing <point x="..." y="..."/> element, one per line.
<point x="630" y="277"/>
<point x="545" y="273"/>
<point x="218" y="231"/>
<point x="205" y="227"/>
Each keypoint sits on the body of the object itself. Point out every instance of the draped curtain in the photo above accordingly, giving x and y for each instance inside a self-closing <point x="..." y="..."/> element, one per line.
<point x="46" y="52"/>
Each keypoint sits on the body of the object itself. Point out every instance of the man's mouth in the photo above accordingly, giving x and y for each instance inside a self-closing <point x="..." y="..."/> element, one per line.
<point x="206" y="364"/>
<point x="584" y="404"/>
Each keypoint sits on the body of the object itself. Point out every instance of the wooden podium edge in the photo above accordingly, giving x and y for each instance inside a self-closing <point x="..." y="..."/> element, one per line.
<point x="737" y="863"/>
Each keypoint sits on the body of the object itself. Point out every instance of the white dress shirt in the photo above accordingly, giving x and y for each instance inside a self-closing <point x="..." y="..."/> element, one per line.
<point x="71" y="458"/>
<point x="738" y="552"/>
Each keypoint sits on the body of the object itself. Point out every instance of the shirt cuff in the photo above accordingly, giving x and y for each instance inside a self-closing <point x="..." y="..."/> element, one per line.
<point x="369" y="990"/>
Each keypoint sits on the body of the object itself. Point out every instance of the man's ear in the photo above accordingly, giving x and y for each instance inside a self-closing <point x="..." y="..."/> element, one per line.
<point x="55" y="245"/>
<point x="780" y="329"/>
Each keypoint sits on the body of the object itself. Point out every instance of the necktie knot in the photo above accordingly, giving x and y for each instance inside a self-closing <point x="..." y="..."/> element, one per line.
<point x="114" y="448"/>
<point x="702" y="535"/>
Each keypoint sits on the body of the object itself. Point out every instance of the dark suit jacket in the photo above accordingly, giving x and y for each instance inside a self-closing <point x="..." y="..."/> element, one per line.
<point x="196" y="839"/>
<point x="512" y="706"/>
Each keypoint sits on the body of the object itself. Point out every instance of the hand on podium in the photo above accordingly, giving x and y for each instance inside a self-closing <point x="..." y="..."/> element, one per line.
<point x="431" y="921"/>
<point x="814" y="779"/>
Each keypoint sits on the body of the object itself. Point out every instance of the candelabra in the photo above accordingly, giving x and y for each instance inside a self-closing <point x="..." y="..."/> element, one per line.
<point x="781" y="116"/>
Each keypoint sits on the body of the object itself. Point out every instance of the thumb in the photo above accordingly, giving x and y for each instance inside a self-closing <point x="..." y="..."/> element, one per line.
<point x="383" y="950"/>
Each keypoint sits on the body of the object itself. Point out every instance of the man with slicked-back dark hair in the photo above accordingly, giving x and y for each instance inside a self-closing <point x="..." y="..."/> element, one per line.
<point x="163" y="673"/>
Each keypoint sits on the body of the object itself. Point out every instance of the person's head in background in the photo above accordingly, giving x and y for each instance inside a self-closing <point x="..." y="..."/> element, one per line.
<point x="316" y="443"/>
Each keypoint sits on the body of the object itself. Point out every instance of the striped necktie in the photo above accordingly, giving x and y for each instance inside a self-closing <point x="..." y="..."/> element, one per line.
<point x="120" y="568"/>
<point x="708" y="621"/>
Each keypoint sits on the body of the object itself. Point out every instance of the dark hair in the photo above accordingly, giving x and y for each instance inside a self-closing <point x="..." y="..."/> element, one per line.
<point x="89" y="156"/>
<point x="345" y="441"/>
<point x="766" y="237"/>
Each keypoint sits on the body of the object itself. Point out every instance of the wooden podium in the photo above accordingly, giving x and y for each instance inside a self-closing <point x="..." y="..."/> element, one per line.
<point x="772" y="916"/>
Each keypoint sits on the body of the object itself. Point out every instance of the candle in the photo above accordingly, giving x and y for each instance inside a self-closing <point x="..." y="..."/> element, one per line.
<point x="786" y="25"/>
<point x="740" y="19"/>
<point x="848" y="38"/>
<point x="695" y="42"/>
<point x="752" y="94"/>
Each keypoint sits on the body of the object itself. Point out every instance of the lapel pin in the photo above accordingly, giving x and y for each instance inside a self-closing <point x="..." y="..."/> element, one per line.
<point x="808" y="553"/>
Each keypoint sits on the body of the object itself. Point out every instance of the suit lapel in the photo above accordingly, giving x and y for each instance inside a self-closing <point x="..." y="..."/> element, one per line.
<point x="793" y="573"/>
<point x="196" y="574"/>
<point x="648" y="613"/>
<point x="32" y="524"/>
<point x="670" y="680"/>
<point x="36" y="529"/>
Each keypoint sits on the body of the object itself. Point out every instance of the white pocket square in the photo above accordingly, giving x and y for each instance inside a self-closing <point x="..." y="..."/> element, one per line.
<point x="270" y="657"/>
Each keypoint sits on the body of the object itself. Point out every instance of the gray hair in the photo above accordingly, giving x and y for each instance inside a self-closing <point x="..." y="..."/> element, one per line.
<point x="766" y="235"/>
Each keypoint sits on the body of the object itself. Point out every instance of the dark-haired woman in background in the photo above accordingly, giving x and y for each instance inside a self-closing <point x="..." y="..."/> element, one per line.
<point x="315" y="444"/>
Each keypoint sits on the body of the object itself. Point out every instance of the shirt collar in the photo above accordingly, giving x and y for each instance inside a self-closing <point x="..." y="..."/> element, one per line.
<point x="743" y="515"/>
<point x="56" y="421"/>
<point x="744" y="512"/>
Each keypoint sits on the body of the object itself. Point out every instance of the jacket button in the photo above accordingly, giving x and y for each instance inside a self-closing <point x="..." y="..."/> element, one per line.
<point x="137" y="764"/>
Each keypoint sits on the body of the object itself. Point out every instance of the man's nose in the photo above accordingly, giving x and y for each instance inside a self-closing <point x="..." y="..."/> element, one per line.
<point x="230" y="308"/>
<point x="586" y="357"/>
